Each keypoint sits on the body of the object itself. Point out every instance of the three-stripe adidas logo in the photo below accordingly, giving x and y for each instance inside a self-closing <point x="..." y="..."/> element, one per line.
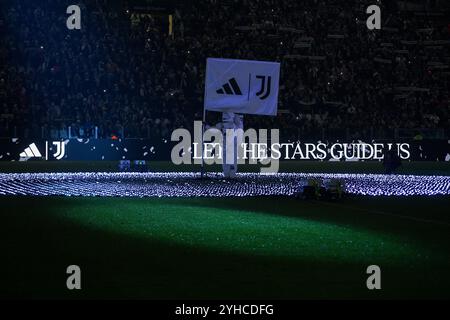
<point x="31" y="152"/>
<point x="231" y="87"/>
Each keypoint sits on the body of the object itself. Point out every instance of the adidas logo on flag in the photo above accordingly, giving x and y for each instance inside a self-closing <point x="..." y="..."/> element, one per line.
<point x="231" y="87"/>
<point x="31" y="152"/>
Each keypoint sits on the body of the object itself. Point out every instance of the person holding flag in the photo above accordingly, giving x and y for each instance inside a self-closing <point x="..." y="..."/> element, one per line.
<point x="237" y="87"/>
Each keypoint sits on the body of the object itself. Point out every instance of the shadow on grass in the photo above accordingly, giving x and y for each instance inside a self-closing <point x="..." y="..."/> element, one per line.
<point x="37" y="247"/>
<point x="423" y="217"/>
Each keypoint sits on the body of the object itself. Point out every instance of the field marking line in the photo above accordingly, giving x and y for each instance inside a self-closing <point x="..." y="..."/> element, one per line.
<point x="371" y="211"/>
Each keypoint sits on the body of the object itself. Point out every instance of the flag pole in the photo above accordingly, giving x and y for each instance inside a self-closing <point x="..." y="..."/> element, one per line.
<point x="203" y="173"/>
<point x="203" y="132"/>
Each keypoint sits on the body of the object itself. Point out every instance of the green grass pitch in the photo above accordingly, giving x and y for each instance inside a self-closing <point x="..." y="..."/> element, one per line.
<point x="273" y="247"/>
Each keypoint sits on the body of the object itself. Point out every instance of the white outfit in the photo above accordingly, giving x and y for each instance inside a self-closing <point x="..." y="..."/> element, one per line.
<point x="231" y="121"/>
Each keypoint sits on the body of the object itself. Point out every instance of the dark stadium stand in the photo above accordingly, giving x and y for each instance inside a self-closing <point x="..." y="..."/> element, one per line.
<point x="125" y="75"/>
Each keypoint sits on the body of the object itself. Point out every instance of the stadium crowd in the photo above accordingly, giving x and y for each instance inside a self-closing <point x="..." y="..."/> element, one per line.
<point x="125" y="74"/>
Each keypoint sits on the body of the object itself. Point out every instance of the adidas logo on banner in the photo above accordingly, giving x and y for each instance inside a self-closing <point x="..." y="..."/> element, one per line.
<point x="231" y="87"/>
<point x="31" y="152"/>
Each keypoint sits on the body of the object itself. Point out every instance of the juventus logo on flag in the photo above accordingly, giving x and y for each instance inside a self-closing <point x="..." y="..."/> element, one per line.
<point x="263" y="93"/>
<point x="242" y="86"/>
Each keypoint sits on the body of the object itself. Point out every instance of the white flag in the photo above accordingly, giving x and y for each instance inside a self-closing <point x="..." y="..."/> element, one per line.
<point x="242" y="86"/>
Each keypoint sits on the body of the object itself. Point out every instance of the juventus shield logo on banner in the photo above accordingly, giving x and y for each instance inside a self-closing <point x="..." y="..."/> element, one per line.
<point x="264" y="92"/>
